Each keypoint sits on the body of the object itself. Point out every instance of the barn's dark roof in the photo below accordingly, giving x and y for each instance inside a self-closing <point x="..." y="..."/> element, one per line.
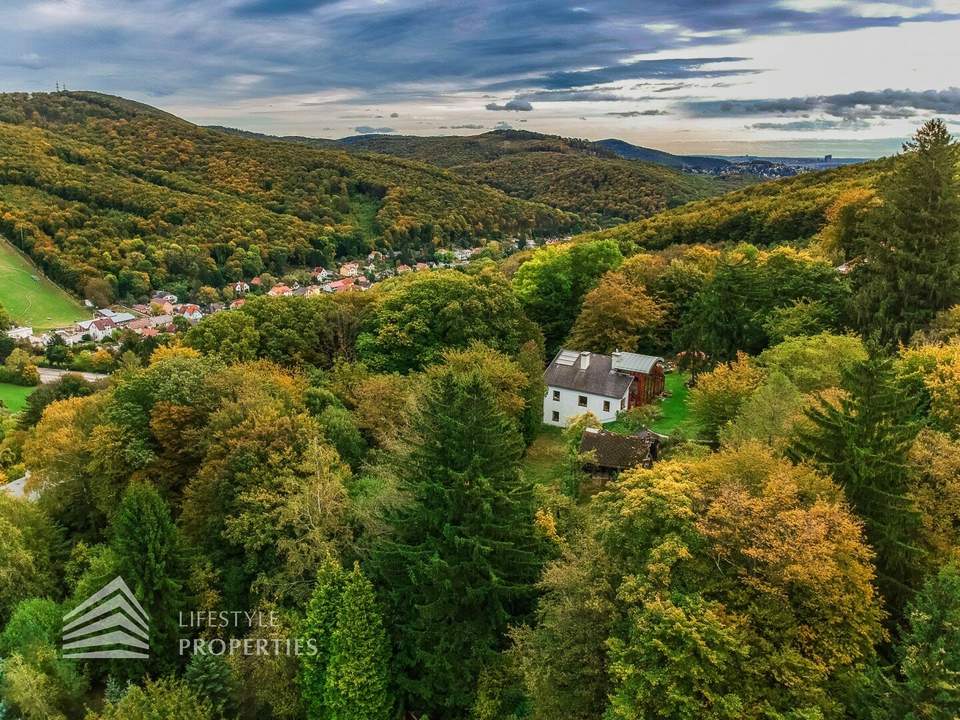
<point x="616" y="451"/>
<point x="598" y="379"/>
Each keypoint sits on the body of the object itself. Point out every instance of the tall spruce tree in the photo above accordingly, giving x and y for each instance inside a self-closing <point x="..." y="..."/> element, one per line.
<point x="863" y="442"/>
<point x="151" y="561"/>
<point x="911" y="267"/>
<point x="356" y="684"/>
<point x="461" y="561"/>
<point x="929" y="652"/>
<point x="318" y="626"/>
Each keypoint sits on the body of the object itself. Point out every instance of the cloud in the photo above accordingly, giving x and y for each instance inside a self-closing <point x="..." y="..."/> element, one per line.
<point x="367" y="130"/>
<point x="637" y="113"/>
<point x="515" y="105"/>
<point x="864" y="104"/>
<point x="671" y="88"/>
<point x="672" y="68"/>
<point x="571" y="96"/>
<point x="394" y="115"/>
<point x="812" y="125"/>
<point x="467" y="127"/>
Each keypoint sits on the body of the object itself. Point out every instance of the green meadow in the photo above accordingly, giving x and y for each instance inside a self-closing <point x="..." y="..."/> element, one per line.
<point x="30" y="298"/>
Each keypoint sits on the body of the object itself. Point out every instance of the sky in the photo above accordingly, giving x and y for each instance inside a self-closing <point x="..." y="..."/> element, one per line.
<point x="782" y="77"/>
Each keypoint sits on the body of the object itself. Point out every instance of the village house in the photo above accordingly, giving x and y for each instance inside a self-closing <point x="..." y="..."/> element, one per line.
<point x="349" y="270"/>
<point x="608" y="454"/>
<point x="99" y="329"/>
<point x="320" y="274"/>
<point x="237" y="304"/>
<point x="190" y="312"/>
<point x="339" y="286"/>
<point x="403" y="268"/>
<point x="154" y="322"/>
<point x="241" y="288"/>
<point x="279" y="291"/>
<point x="161" y="296"/>
<point x="421" y="266"/>
<point x="581" y="382"/>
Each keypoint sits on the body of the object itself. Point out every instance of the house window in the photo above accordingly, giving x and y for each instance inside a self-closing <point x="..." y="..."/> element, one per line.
<point x="556" y="416"/>
<point x="623" y="403"/>
<point x="582" y="401"/>
<point x="556" y="395"/>
<point x="606" y="406"/>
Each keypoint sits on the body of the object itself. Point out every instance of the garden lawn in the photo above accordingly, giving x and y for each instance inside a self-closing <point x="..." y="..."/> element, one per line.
<point x="675" y="411"/>
<point x="544" y="462"/>
<point x="14" y="397"/>
<point x="31" y="299"/>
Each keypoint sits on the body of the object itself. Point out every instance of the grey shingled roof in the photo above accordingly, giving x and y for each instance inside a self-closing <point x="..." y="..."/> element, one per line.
<point x="633" y="362"/>
<point x="597" y="379"/>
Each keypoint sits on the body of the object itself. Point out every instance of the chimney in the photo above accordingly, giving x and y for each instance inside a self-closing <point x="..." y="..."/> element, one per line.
<point x="584" y="360"/>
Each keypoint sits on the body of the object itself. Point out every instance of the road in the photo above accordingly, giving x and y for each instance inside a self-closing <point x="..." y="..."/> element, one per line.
<point x="49" y="375"/>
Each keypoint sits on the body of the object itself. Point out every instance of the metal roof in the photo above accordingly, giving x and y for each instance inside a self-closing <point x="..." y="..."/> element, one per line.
<point x="632" y="362"/>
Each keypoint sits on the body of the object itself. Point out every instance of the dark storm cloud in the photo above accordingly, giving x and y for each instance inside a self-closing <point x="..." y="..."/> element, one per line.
<point x="512" y="105"/>
<point x="403" y="49"/>
<point x="367" y="130"/>
<point x="887" y="104"/>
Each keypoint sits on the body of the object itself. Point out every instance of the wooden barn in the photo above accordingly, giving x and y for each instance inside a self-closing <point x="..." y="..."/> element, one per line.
<point x="647" y="372"/>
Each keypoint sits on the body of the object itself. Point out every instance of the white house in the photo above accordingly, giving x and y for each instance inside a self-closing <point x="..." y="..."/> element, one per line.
<point x="581" y="382"/>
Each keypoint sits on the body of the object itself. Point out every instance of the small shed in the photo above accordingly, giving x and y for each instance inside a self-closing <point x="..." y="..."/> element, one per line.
<point x="612" y="452"/>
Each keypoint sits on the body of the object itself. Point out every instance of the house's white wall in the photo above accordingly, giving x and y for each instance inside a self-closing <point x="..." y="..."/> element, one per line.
<point x="568" y="406"/>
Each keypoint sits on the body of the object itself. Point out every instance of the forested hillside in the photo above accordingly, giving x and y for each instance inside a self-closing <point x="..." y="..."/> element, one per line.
<point x="370" y="471"/>
<point x="782" y="211"/>
<point x="579" y="176"/>
<point x="102" y="190"/>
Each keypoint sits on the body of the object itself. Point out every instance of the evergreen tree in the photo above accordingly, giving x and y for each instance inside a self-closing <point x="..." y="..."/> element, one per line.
<point x="912" y="249"/>
<point x="863" y="442"/>
<point x="150" y="560"/>
<point x="929" y="652"/>
<point x="460" y="564"/>
<point x="211" y="678"/>
<point x="319" y="626"/>
<point x="357" y="669"/>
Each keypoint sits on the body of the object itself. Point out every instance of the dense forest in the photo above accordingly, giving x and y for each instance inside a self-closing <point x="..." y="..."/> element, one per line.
<point x="370" y="472"/>
<point x="579" y="176"/>
<point x="104" y="191"/>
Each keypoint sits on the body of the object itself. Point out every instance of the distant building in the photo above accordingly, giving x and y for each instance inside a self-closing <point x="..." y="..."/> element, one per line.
<point x="161" y="296"/>
<point x="20" y="333"/>
<point x="349" y="270"/>
<point x="280" y="290"/>
<point x="241" y="288"/>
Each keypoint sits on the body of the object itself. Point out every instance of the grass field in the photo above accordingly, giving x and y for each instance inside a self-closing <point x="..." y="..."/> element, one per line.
<point x="544" y="462"/>
<point x="31" y="299"/>
<point x="14" y="397"/>
<point x="675" y="411"/>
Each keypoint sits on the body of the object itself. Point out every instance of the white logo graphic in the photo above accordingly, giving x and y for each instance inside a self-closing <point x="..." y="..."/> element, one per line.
<point x="107" y="621"/>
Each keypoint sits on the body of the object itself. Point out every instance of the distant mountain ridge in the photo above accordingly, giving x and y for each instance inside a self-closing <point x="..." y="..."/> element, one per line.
<point x="636" y="152"/>
<point x="575" y="175"/>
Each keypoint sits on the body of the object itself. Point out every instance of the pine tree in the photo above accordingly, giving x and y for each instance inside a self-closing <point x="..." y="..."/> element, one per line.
<point x="319" y="626"/>
<point x="150" y="560"/>
<point x="357" y="670"/>
<point x="911" y="267"/>
<point x="863" y="442"/>
<point x="211" y="678"/>
<point x="929" y="652"/>
<point x="461" y="562"/>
